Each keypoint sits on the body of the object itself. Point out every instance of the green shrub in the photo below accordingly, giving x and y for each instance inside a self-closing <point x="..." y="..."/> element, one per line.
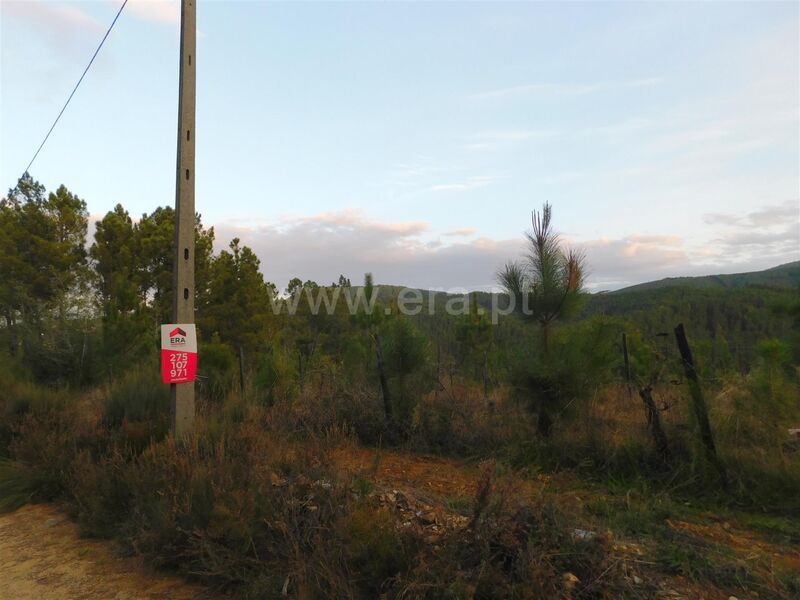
<point x="19" y="484"/>
<point x="139" y="397"/>
<point x="275" y="376"/>
<point x="581" y="358"/>
<point x="372" y="548"/>
<point x="405" y="351"/>
<point x="217" y="369"/>
<point x="18" y="399"/>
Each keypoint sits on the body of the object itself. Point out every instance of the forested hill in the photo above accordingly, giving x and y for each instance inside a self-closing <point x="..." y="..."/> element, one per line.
<point x="730" y="310"/>
<point x="786" y="275"/>
<point x="740" y="308"/>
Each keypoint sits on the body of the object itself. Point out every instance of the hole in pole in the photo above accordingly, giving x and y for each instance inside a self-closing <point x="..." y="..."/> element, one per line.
<point x="185" y="293"/>
<point x="188" y="135"/>
<point x="185" y="254"/>
<point x="190" y="59"/>
<point x="187" y="174"/>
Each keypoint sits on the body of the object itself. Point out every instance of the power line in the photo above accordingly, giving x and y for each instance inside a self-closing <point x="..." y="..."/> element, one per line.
<point x="75" y="89"/>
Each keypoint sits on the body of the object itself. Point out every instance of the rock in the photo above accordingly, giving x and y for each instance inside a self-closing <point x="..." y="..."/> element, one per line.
<point x="583" y="534"/>
<point x="276" y="480"/>
<point x="637" y="580"/>
<point x="426" y="518"/>
<point x="400" y="500"/>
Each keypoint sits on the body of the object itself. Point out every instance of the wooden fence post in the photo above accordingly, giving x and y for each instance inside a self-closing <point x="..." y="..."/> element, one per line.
<point x="387" y="399"/>
<point x="627" y="360"/>
<point x="698" y="402"/>
<point x="241" y="370"/>
<point x="654" y="423"/>
<point x="651" y="410"/>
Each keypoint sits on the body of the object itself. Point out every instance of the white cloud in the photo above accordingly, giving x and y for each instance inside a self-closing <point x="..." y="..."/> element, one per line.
<point x="565" y="89"/>
<point x="494" y="140"/>
<point x="159" y="11"/>
<point x="766" y="216"/>
<point x="465" y="185"/>
<point x="320" y="247"/>
<point x="465" y="232"/>
<point x="771" y="233"/>
<point x="323" y="246"/>
<point x="62" y="26"/>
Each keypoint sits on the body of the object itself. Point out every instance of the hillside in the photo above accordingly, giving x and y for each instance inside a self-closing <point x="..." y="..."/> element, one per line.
<point x="734" y="310"/>
<point x="786" y="275"/>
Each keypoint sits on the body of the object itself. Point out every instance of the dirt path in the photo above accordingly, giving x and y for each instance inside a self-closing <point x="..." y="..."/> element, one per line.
<point x="42" y="557"/>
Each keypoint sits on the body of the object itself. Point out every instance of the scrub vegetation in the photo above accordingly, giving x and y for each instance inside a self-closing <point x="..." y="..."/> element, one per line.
<point x="567" y="449"/>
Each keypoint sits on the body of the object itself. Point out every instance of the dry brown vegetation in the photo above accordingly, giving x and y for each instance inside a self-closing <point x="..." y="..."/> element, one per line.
<point x="285" y="499"/>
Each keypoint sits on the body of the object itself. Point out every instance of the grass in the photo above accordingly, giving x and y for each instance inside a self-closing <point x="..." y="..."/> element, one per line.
<point x="255" y="505"/>
<point x="460" y="505"/>
<point x="19" y="484"/>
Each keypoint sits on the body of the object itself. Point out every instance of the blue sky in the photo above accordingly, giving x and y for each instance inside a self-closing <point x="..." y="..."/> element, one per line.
<point x="413" y="139"/>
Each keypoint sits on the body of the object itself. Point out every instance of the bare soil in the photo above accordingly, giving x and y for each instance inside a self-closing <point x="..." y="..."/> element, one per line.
<point x="43" y="557"/>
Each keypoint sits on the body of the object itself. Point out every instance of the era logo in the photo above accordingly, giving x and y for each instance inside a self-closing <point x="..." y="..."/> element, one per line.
<point x="177" y="337"/>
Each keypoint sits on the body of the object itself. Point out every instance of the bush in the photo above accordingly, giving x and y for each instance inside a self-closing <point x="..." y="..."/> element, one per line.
<point x="256" y="511"/>
<point x="275" y="376"/>
<point x="138" y="404"/>
<point x="581" y="358"/>
<point x="217" y="370"/>
<point x="46" y="444"/>
<point x="19" y="484"/>
<point x="405" y="351"/>
<point x="508" y="551"/>
<point x="458" y="420"/>
<point x="21" y="398"/>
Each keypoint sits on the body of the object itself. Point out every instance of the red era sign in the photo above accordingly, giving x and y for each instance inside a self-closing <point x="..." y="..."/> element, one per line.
<point x="178" y="353"/>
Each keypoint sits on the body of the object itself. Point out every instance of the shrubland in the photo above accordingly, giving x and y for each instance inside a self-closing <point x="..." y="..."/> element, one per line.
<point x="255" y="501"/>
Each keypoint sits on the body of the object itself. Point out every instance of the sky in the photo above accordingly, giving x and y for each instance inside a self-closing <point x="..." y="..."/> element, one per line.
<point x="413" y="139"/>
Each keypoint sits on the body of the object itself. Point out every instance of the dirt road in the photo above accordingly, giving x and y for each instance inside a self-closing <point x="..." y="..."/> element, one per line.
<point x="42" y="557"/>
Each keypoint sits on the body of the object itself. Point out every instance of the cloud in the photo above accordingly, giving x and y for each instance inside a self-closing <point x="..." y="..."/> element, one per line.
<point x="768" y="234"/>
<point x="465" y="232"/>
<point x="767" y="216"/>
<point x="737" y="242"/>
<point x="62" y="26"/>
<point x="158" y="11"/>
<point x="320" y="247"/>
<point x="632" y="259"/>
<point x="565" y="89"/>
<point x="494" y="140"/>
<point x="353" y="220"/>
<point x="465" y="185"/>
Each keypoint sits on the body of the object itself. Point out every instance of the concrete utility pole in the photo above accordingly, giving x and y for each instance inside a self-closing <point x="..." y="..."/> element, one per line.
<point x="182" y="407"/>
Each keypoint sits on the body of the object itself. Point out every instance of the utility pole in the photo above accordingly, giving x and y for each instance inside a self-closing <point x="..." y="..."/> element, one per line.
<point x="182" y="406"/>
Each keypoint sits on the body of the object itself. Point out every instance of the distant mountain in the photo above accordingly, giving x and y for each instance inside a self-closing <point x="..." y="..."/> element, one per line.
<point x="787" y="275"/>
<point x="725" y="315"/>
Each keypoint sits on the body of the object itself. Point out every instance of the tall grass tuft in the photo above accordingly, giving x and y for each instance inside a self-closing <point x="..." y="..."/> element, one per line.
<point x="19" y="484"/>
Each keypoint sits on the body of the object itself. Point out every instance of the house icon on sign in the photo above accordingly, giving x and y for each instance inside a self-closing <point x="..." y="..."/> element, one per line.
<point x="177" y="337"/>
